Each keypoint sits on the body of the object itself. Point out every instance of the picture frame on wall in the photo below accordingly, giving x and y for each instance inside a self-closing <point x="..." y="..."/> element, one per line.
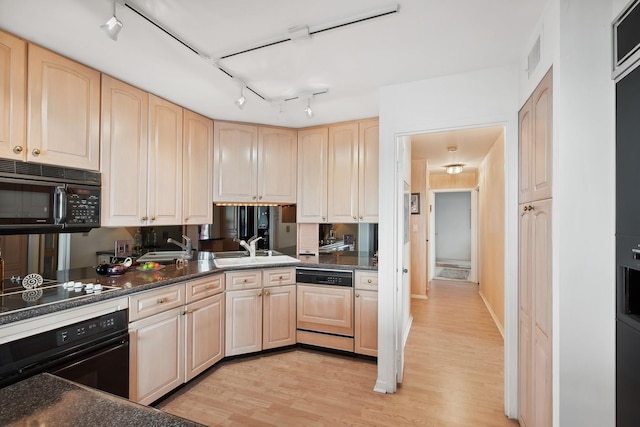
<point x="415" y="204"/>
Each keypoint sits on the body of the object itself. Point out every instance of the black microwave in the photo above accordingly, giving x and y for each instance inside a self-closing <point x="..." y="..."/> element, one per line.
<point x="38" y="198"/>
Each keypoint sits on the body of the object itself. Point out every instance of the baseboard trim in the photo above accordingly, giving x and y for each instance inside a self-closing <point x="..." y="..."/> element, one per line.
<point x="419" y="296"/>
<point x="493" y="315"/>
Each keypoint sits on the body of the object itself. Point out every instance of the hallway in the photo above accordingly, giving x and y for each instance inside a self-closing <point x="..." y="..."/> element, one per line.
<point x="453" y="377"/>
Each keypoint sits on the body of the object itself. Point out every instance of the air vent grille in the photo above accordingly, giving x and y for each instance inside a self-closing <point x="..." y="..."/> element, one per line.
<point x="534" y="58"/>
<point x="48" y="173"/>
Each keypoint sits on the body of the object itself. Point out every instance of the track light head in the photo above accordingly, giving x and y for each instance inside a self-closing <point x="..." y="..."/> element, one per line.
<point x="241" y="101"/>
<point x="113" y="26"/>
<point x="308" y="111"/>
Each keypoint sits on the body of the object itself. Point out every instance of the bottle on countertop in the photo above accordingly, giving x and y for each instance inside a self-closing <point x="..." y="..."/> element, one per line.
<point x="154" y="238"/>
<point x="137" y="240"/>
<point x="1" y="267"/>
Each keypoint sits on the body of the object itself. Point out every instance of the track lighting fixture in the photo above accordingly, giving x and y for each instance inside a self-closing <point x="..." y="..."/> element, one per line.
<point x="113" y="26"/>
<point x="308" y="111"/>
<point x="242" y="100"/>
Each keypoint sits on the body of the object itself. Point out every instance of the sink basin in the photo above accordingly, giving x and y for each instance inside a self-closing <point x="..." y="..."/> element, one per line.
<point x="254" y="261"/>
<point x="163" y="256"/>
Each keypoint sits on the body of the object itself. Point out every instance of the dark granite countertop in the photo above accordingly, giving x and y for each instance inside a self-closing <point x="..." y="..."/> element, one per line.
<point x="55" y="402"/>
<point x="135" y="280"/>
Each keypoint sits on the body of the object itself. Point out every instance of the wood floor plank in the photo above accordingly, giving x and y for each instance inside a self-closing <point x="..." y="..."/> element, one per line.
<point x="453" y="377"/>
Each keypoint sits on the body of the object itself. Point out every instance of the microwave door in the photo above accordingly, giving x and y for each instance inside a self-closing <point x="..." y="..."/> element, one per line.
<point x="25" y="203"/>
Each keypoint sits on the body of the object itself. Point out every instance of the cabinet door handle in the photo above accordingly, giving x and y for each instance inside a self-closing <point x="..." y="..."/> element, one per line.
<point x="186" y="219"/>
<point x="259" y="294"/>
<point x="153" y="218"/>
<point x="160" y="300"/>
<point x="354" y="217"/>
<point x="260" y="198"/>
<point x="36" y="152"/>
<point x="255" y="197"/>
<point x="144" y="218"/>
<point x="361" y="218"/>
<point x="267" y="293"/>
<point x="357" y="295"/>
<point x="17" y="149"/>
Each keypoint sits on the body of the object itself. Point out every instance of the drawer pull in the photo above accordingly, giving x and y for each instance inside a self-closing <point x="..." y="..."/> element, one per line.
<point x="369" y="281"/>
<point x="357" y="295"/>
<point x="208" y="286"/>
<point x="160" y="300"/>
<point x="245" y="280"/>
<point x="280" y="278"/>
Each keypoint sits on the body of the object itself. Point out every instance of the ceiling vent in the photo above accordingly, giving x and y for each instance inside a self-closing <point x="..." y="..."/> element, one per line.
<point x="534" y="58"/>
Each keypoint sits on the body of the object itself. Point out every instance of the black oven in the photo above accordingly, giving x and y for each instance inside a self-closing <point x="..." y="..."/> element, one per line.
<point x="93" y="352"/>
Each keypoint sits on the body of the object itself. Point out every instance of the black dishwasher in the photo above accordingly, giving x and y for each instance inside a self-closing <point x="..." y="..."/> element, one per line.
<point x="93" y="352"/>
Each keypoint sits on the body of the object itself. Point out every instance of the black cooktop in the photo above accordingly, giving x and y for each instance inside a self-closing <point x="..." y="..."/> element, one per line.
<point x="14" y="297"/>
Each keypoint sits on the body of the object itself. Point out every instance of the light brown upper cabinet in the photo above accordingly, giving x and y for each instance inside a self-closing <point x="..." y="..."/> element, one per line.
<point x="253" y="164"/>
<point x="312" y="175"/>
<point x="344" y="187"/>
<point x="63" y="111"/>
<point x="164" y="184"/>
<point x="141" y="157"/>
<point x="123" y="159"/>
<point x="535" y="118"/>
<point x="13" y="62"/>
<point x="368" y="171"/>
<point x="197" y="206"/>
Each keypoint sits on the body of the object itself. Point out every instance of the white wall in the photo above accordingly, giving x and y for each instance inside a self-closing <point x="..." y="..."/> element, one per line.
<point x="473" y="99"/>
<point x="453" y="226"/>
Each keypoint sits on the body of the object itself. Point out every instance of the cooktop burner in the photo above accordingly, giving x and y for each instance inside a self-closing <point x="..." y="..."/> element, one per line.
<point x="14" y="297"/>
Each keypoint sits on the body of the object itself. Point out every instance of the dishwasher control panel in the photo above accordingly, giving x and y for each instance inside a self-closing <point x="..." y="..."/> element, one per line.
<point x="324" y="277"/>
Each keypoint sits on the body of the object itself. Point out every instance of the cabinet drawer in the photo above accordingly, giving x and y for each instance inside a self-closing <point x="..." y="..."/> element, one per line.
<point x="245" y="279"/>
<point x="366" y="280"/>
<point x="205" y="287"/>
<point x="156" y="301"/>
<point x="279" y="276"/>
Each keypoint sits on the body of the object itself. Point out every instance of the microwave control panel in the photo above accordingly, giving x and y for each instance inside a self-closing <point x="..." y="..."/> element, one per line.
<point x="83" y="205"/>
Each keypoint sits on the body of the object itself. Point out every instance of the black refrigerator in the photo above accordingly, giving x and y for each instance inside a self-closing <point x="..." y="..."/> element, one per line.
<point x="626" y="72"/>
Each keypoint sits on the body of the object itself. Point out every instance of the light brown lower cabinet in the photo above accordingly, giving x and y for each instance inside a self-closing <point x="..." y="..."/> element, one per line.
<point x="170" y="342"/>
<point x="152" y="376"/>
<point x="366" y="312"/>
<point x="366" y="333"/>
<point x="261" y="318"/>
<point x="205" y="334"/>
<point x="243" y="322"/>
<point x="279" y="316"/>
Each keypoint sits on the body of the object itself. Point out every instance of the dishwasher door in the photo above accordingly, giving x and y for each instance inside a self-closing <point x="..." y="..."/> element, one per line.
<point x="325" y="309"/>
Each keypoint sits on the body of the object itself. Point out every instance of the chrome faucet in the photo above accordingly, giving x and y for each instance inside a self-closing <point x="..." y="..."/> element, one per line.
<point x="250" y="246"/>
<point x="186" y="247"/>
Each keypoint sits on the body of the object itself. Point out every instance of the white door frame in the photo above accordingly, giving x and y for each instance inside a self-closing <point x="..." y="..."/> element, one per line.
<point x="473" y="193"/>
<point x="388" y="267"/>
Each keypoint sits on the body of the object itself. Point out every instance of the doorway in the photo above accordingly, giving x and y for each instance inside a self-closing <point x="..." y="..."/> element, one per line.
<point x="454" y="222"/>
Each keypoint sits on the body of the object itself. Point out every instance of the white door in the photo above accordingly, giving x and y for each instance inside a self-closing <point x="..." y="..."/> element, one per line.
<point x="432" y="235"/>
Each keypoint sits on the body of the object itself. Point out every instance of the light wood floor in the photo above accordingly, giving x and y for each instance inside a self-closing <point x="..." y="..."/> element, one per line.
<point x="453" y="377"/>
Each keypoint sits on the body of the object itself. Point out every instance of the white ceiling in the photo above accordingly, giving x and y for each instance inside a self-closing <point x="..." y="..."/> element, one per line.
<point x="426" y="38"/>
<point x="472" y="147"/>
